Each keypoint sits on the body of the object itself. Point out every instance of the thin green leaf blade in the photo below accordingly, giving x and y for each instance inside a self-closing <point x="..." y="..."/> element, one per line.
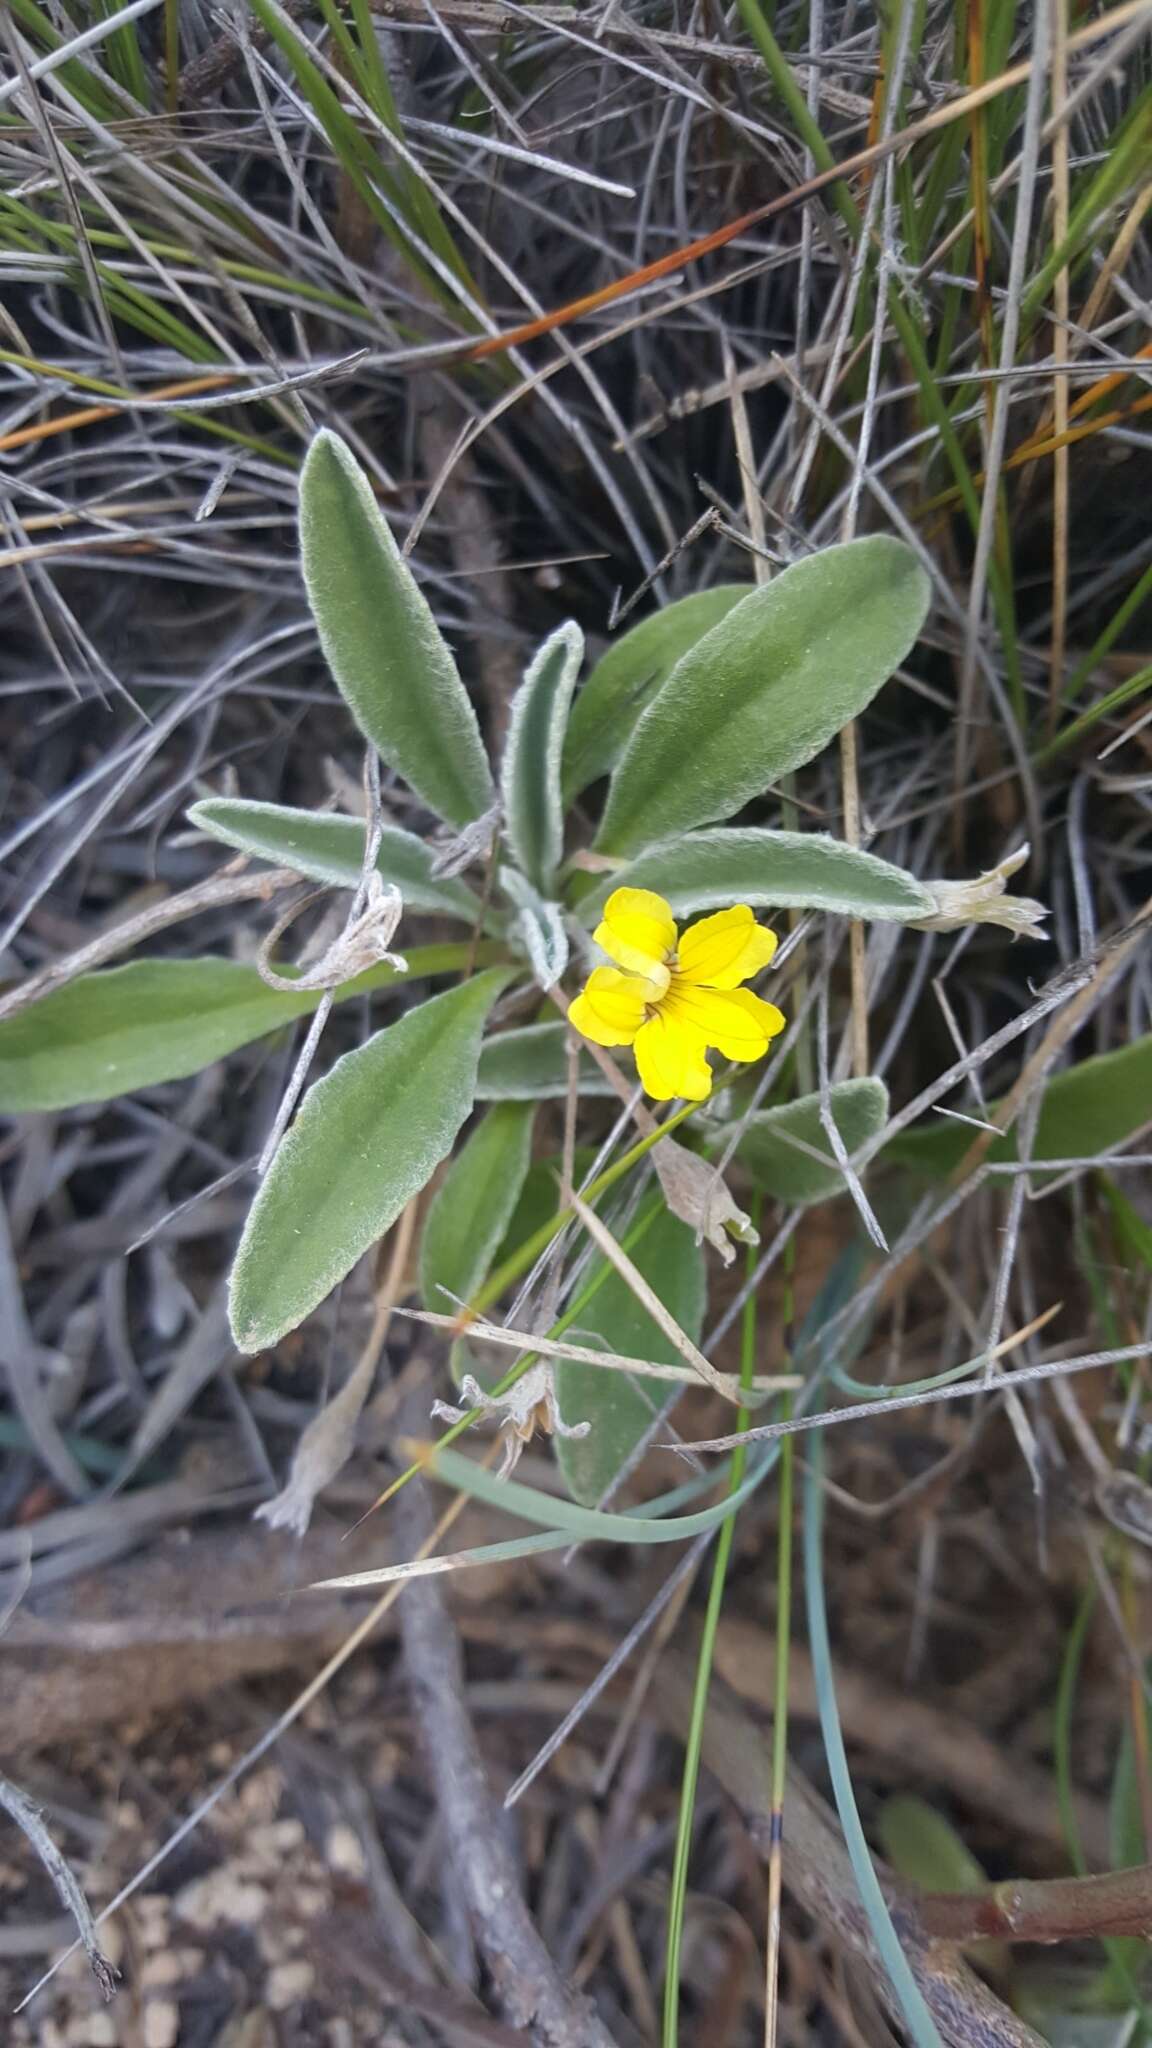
<point x="367" y="1138"/>
<point x="108" y="1034"/>
<point x="474" y="1205"/>
<point x="766" y="689"/>
<point x="619" y="1407"/>
<point x="530" y="778"/>
<point x="786" y="870"/>
<point x="781" y="1170"/>
<point x="627" y="677"/>
<point x="388" y="657"/>
<point x="331" y="849"/>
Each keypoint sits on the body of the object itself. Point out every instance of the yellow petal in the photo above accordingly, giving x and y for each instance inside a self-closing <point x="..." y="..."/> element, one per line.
<point x="671" y="1062"/>
<point x="638" y="932"/>
<point x="724" y="950"/>
<point x="738" y="1023"/>
<point x="610" y="1008"/>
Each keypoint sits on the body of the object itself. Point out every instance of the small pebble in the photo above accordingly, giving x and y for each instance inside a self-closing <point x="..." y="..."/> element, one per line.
<point x="287" y="1984"/>
<point x="160" y="2023"/>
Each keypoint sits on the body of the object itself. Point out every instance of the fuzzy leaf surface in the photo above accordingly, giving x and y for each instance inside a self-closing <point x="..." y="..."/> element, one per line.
<point x="788" y="1175"/>
<point x="781" y="870"/>
<point x="766" y="689"/>
<point x="530" y="1064"/>
<point x="474" y="1204"/>
<point x="388" y="657"/>
<point x="109" y="1033"/>
<point x="628" y="676"/>
<point x="367" y="1138"/>
<point x="530" y="776"/>
<point x="1088" y="1109"/>
<point x="331" y="849"/>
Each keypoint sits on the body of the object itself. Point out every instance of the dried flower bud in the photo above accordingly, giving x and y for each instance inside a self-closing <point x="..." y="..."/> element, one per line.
<point x="529" y="1404"/>
<point x="984" y="901"/>
<point x="699" y="1196"/>
<point x="362" y="944"/>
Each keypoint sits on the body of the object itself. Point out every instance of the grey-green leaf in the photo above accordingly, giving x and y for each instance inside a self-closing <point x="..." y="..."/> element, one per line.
<point x="474" y="1205"/>
<point x="389" y="659"/>
<point x="766" y="689"/>
<point x="785" y="870"/>
<point x="626" y="678"/>
<point x="331" y="849"/>
<point x="619" y="1407"/>
<point x="367" y="1138"/>
<point x="1088" y="1109"/>
<point x="530" y="1064"/>
<point x="132" y="1027"/>
<point x="530" y="773"/>
<point x="780" y="1169"/>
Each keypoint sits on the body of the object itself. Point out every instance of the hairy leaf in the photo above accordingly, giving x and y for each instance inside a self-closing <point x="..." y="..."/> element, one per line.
<point x="474" y="1205"/>
<point x="626" y="678"/>
<point x="530" y="1064"/>
<point x="786" y="870"/>
<point x="389" y="659"/>
<point x="530" y="776"/>
<point x="766" y="689"/>
<point x="619" y="1407"/>
<point x="132" y="1027"/>
<point x="781" y="1169"/>
<point x="1088" y="1109"/>
<point x="331" y="849"/>
<point x="367" y="1138"/>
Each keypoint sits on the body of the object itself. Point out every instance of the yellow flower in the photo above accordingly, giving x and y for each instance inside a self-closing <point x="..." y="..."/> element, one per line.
<point x="671" y="998"/>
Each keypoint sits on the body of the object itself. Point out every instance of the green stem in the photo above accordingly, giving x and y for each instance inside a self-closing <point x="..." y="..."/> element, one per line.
<point x="679" y="1887"/>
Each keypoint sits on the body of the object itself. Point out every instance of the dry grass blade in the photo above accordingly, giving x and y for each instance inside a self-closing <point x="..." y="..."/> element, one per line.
<point x="481" y="1332"/>
<point x="629" y="1272"/>
<point x="330" y="1438"/>
<point x="31" y="1821"/>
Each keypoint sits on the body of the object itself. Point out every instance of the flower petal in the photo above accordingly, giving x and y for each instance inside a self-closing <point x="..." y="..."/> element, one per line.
<point x="638" y="932"/>
<point x="724" y="950"/>
<point x="738" y="1023"/>
<point x="610" y="1008"/>
<point x="671" y="1062"/>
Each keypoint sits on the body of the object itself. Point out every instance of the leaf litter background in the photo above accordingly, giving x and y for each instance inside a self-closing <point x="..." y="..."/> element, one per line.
<point x="297" y="207"/>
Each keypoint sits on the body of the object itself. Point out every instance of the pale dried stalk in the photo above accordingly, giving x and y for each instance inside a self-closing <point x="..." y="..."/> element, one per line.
<point x="330" y="1438"/>
<point x="648" y="1298"/>
<point x="1060" y="309"/>
<point x="613" y="1361"/>
<point x="218" y="892"/>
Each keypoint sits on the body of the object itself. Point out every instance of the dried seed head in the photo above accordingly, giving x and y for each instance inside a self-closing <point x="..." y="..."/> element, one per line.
<point x="530" y="1404"/>
<point x="699" y="1196"/>
<point x="983" y="901"/>
<point x="362" y="944"/>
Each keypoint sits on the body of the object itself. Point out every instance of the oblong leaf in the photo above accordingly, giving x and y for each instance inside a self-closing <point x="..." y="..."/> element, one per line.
<point x="628" y="676"/>
<point x="367" y="1138"/>
<point x="620" y="1407"/>
<point x="766" y="689"/>
<point x="786" y="870"/>
<point x="1088" y="1109"/>
<point x="132" y="1027"/>
<point x="473" y="1207"/>
<point x="781" y="1170"/>
<point x="387" y="655"/>
<point x="530" y="773"/>
<point x="530" y="1064"/>
<point x="331" y="849"/>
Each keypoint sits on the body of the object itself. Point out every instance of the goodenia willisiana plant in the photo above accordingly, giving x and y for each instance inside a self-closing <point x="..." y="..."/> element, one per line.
<point x="649" y="939"/>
